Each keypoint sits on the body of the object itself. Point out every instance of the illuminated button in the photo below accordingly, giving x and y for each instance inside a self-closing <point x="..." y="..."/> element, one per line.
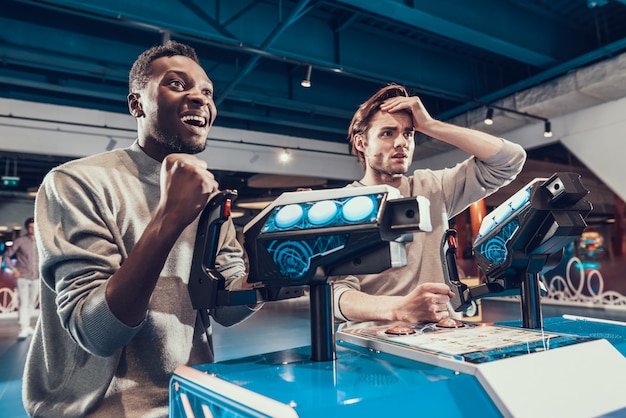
<point x="501" y="213"/>
<point x="487" y="225"/>
<point x="288" y="216"/>
<point x="358" y="208"/>
<point x="322" y="212"/>
<point x="520" y="198"/>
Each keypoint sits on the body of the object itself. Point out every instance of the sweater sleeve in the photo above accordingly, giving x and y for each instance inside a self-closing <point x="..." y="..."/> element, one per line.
<point x="474" y="179"/>
<point x="79" y="251"/>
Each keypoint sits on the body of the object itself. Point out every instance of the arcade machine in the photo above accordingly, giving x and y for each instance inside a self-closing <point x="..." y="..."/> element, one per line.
<point x="450" y="368"/>
<point x="300" y="240"/>
<point x="520" y="239"/>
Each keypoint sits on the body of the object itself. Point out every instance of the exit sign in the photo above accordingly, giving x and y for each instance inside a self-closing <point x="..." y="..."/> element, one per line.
<point x="10" y="181"/>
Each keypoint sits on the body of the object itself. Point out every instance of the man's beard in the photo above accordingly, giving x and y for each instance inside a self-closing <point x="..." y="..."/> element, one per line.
<point x="176" y="145"/>
<point x="378" y="166"/>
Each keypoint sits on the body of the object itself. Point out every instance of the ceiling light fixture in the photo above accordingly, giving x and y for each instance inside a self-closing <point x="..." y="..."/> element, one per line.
<point x="284" y="156"/>
<point x="547" y="129"/>
<point x="489" y="117"/>
<point x="306" y="81"/>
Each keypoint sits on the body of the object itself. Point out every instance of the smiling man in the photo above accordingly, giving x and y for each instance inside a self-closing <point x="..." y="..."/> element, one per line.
<point x="381" y="135"/>
<point x="116" y="234"/>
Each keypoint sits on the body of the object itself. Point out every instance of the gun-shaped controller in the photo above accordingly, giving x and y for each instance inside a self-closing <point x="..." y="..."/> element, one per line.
<point x="520" y="239"/>
<point x="462" y="296"/>
<point x="301" y="239"/>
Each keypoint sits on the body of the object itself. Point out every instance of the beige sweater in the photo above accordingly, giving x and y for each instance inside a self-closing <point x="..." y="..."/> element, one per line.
<point x="450" y="191"/>
<point x="82" y="360"/>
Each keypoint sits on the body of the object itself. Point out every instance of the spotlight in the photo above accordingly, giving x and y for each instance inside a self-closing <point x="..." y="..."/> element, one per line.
<point x="306" y="81"/>
<point x="547" y="129"/>
<point x="284" y="156"/>
<point x="489" y="117"/>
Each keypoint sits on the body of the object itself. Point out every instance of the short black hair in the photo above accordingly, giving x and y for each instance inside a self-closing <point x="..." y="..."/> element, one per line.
<point x="29" y="221"/>
<point x="142" y="68"/>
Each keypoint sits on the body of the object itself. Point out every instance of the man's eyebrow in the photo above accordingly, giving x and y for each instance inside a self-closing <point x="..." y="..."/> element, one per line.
<point x="184" y="74"/>
<point x="176" y="72"/>
<point x="395" y="128"/>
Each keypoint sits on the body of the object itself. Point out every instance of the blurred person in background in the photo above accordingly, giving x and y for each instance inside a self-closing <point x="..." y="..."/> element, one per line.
<point x="26" y="273"/>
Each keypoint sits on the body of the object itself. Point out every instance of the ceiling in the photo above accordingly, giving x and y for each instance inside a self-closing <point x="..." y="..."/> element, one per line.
<point x="458" y="55"/>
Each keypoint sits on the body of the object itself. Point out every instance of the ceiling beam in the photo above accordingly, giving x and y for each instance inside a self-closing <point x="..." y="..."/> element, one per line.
<point x="282" y="26"/>
<point x="462" y="32"/>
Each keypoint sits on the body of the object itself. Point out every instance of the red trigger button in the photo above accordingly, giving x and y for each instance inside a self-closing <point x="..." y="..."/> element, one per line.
<point x="227" y="208"/>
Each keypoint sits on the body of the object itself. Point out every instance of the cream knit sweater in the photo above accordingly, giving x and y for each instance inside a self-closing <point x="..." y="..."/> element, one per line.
<point x="450" y="191"/>
<point x="82" y="360"/>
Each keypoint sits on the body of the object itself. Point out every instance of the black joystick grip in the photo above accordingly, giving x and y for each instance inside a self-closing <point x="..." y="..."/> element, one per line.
<point x="461" y="300"/>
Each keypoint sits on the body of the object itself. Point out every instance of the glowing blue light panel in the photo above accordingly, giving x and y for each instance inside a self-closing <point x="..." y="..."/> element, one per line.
<point x="293" y="258"/>
<point x="494" y="249"/>
<point x="506" y="218"/>
<point x="506" y="211"/>
<point x="350" y="210"/>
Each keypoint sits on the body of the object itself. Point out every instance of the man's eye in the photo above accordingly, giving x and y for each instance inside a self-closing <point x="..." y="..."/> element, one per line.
<point x="208" y="93"/>
<point x="177" y="83"/>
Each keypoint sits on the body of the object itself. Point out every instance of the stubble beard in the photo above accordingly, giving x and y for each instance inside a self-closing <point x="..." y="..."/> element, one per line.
<point x="386" y="173"/>
<point x="176" y="145"/>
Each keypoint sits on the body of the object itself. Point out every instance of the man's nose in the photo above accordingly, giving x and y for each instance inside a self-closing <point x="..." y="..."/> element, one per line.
<point x="198" y="96"/>
<point x="401" y="141"/>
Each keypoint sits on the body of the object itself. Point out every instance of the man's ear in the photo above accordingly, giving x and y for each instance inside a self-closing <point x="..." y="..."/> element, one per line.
<point x="134" y="105"/>
<point x="359" y="142"/>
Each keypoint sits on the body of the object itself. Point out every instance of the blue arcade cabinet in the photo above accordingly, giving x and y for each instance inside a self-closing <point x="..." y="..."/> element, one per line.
<point x="536" y="368"/>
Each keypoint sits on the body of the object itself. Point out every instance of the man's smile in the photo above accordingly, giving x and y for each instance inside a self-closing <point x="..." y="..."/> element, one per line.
<point x="194" y="120"/>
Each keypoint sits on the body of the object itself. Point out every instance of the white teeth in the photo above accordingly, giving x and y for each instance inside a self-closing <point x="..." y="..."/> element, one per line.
<point x="200" y="119"/>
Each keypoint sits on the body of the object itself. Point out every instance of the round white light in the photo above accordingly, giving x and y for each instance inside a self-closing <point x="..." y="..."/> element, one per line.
<point x="288" y="216"/>
<point x="358" y="208"/>
<point x="322" y="212"/>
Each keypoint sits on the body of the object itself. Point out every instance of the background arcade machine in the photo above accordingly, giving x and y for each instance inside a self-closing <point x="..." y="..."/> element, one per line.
<point x="470" y="370"/>
<point x="522" y="238"/>
<point x="527" y="370"/>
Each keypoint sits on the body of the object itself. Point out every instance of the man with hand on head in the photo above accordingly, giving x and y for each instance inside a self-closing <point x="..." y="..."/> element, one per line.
<point x="381" y="135"/>
<point x="116" y="236"/>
